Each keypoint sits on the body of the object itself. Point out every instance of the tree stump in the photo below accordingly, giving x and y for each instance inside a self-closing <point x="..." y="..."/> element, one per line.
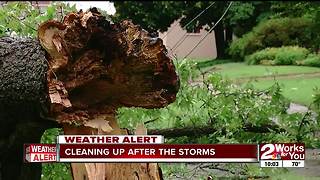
<point x="77" y="75"/>
<point x="101" y="171"/>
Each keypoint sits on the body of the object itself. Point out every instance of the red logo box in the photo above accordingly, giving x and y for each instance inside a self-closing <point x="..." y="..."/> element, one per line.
<point x="40" y="153"/>
<point x="282" y="151"/>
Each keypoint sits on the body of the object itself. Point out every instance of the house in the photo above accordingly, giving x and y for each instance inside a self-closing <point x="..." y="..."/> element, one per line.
<point x="176" y="35"/>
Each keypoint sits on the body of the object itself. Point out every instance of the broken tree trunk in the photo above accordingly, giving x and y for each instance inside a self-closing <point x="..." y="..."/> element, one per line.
<point x="97" y="67"/>
<point x="85" y="68"/>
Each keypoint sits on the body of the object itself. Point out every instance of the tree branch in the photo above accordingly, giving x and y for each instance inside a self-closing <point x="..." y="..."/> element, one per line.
<point x="205" y="130"/>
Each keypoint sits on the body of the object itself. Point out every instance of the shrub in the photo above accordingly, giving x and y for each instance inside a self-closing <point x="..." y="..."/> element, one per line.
<point x="286" y="55"/>
<point x="22" y="19"/>
<point x="311" y="60"/>
<point x="274" y="33"/>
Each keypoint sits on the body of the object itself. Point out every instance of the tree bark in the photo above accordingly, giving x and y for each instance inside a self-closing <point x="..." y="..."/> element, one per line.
<point x="23" y="99"/>
<point x="229" y="36"/>
<point x="220" y="41"/>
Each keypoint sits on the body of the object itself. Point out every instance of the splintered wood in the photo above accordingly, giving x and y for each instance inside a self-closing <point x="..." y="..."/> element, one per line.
<point x="58" y="96"/>
<point x="96" y="67"/>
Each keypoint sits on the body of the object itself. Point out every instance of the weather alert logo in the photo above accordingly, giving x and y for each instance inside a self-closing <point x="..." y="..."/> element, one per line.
<point x="40" y="153"/>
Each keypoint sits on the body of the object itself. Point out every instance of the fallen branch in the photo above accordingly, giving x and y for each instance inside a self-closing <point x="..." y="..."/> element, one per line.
<point x="302" y="122"/>
<point x="241" y="174"/>
<point x="205" y="130"/>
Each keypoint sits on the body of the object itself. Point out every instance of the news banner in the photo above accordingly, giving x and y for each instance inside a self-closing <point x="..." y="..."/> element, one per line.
<point x="151" y="148"/>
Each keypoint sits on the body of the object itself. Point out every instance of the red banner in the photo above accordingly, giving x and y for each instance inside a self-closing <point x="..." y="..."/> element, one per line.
<point x="269" y="155"/>
<point x="157" y="153"/>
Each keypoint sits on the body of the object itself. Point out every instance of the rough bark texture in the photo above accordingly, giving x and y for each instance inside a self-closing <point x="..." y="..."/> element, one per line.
<point x="23" y="99"/>
<point x="228" y="39"/>
<point x="23" y="81"/>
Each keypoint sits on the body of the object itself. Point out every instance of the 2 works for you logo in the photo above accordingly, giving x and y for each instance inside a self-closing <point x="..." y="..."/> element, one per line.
<point x="282" y="151"/>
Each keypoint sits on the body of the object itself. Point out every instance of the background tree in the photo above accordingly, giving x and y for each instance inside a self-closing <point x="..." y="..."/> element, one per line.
<point x="159" y="15"/>
<point x="151" y="15"/>
<point x="244" y="15"/>
<point x="305" y="9"/>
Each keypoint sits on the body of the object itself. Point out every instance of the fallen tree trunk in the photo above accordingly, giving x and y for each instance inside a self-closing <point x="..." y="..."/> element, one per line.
<point x="23" y="99"/>
<point x="77" y="74"/>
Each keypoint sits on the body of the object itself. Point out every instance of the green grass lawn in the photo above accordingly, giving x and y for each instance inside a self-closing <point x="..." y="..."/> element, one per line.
<point x="297" y="88"/>
<point x="241" y="70"/>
